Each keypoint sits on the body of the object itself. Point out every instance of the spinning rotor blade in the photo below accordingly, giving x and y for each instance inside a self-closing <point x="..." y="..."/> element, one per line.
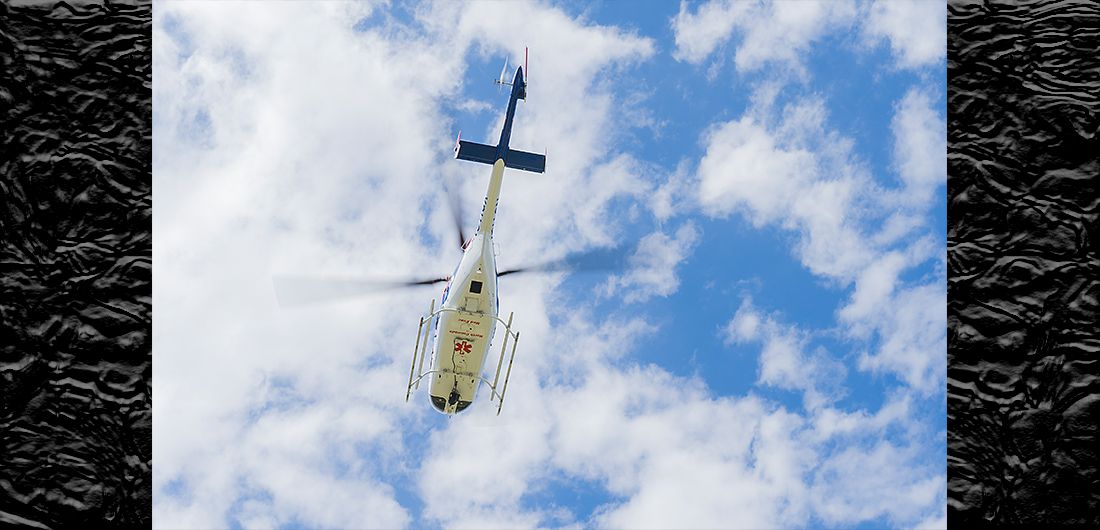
<point x="613" y="259"/>
<point x="456" y="210"/>
<point x="296" y="290"/>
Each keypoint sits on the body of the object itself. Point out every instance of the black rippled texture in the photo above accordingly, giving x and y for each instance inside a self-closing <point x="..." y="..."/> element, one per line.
<point x="75" y="264"/>
<point x="1023" y="289"/>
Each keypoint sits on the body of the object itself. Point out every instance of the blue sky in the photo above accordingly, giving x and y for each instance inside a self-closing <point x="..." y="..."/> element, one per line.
<point x="775" y="360"/>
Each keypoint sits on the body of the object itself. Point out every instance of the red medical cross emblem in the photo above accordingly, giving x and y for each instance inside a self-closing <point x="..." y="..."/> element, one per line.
<point x="462" y="347"/>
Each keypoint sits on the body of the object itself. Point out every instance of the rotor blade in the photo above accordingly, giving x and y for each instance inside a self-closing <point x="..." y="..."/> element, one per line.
<point x="297" y="290"/>
<point x="456" y="211"/>
<point x="613" y="259"/>
<point x="455" y="202"/>
<point x="500" y="85"/>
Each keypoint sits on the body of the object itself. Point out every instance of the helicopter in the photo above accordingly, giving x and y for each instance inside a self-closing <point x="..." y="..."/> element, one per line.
<point x="464" y="324"/>
<point x="467" y="318"/>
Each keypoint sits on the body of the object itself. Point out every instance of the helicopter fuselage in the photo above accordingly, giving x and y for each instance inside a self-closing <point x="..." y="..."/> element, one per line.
<point x="464" y="329"/>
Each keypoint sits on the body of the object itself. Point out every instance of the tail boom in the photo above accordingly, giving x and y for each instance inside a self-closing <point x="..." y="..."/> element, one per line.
<point x="489" y="211"/>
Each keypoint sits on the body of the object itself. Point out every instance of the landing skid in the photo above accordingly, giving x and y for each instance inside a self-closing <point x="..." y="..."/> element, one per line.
<point x="416" y="374"/>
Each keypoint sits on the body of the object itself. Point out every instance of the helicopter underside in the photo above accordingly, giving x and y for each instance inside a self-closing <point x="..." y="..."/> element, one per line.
<point x="462" y="342"/>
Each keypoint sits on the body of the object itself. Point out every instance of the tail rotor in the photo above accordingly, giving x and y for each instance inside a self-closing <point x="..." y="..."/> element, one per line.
<point x="501" y="81"/>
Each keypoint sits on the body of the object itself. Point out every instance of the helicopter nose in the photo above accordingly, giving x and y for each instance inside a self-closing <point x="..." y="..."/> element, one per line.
<point x="453" y="404"/>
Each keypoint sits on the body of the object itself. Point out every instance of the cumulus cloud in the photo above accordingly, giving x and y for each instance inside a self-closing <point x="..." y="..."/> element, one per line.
<point x="653" y="265"/>
<point x="798" y="175"/>
<point x="913" y="343"/>
<point x="773" y="32"/>
<point x="916" y="29"/>
<point x="674" y="195"/>
<point x="673" y="455"/>
<point x="783" y="361"/>
<point x="920" y="141"/>
<point x="782" y="33"/>
<point x="862" y="483"/>
<point x="842" y="489"/>
<point x="697" y="34"/>
<point x="744" y="167"/>
<point x="793" y="174"/>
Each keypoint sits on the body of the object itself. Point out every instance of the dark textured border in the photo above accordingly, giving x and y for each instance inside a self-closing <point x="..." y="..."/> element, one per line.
<point x="75" y="264"/>
<point x="1023" y="195"/>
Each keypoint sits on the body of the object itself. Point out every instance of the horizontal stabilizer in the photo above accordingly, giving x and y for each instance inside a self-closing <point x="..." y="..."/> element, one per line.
<point x="525" y="161"/>
<point x="486" y="154"/>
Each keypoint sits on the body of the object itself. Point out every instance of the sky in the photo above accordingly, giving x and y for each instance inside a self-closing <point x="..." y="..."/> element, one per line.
<point x="773" y="355"/>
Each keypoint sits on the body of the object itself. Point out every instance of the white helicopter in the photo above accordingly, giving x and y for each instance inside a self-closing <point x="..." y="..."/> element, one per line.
<point x="467" y="318"/>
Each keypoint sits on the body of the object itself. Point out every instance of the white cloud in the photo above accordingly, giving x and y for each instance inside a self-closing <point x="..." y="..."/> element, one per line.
<point x="920" y="147"/>
<point x="876" y="285"/>
<point x="618" y="177"/>
<point x="912" y="328"/>
<point x="773" y="32"/>
<point x="744" y="166"/>
<point x="653" y="265"/>
<point x="307" y="484"/>
<point x="776" y="176"/>
<point x="783" y="362"/>
<point x="863" y="483"/>
<point x="782" y="33"/>
<point x="698" y="34"/>
<point x="935" y="521"/>
<point x="917" y="30"/>
<point x="674" y="195"/>
<point x="676" y="456"/>
<point x="746" y="324"/>
<point x="798" y="175"/>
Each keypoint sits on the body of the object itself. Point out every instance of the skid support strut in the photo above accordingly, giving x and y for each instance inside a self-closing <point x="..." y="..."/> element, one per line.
<point x="420" y="332"/>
